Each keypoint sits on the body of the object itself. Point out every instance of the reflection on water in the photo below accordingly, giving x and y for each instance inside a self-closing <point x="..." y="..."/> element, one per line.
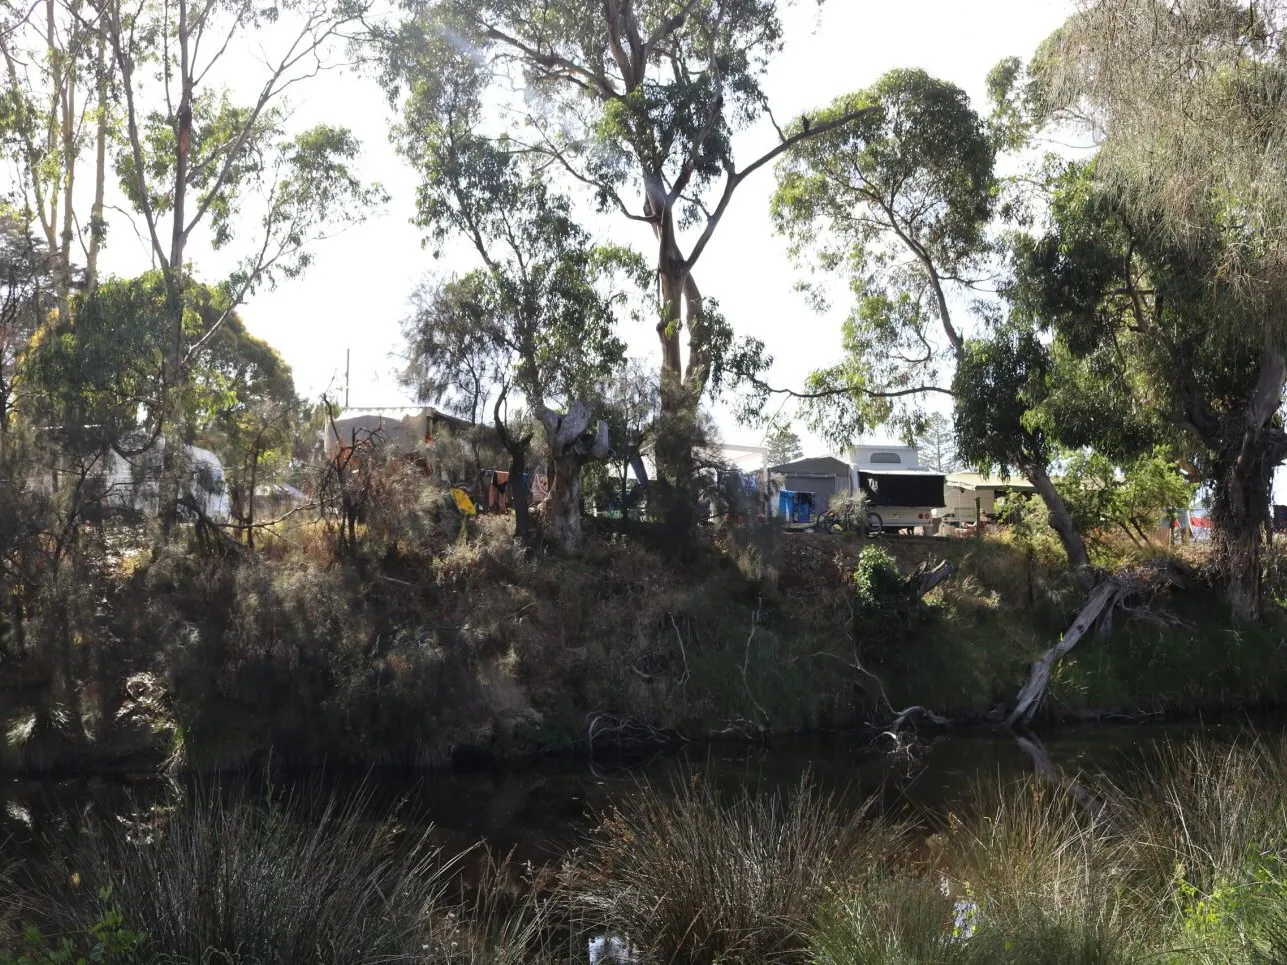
<point x="540" y="812"/>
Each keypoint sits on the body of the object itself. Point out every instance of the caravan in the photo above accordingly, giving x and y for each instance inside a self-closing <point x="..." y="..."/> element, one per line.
<point x="901" y="494"/>
<point x="133" y="484"/>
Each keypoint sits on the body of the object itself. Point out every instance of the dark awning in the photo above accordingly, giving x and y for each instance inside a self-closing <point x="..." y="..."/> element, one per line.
<point x="902" y="488"/>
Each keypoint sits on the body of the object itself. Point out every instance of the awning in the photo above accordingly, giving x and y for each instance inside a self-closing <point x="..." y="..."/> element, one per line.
<point x="974" y="481"/>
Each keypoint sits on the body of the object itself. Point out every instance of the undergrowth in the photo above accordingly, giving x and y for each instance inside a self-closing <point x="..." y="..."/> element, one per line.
<point x="433" y="637"/>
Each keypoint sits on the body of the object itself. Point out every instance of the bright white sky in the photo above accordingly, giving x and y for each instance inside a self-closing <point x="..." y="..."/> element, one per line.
<point x="355" y="295"/>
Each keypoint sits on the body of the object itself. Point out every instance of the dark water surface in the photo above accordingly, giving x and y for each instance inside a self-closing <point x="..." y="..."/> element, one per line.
<point x="538" y="812"/>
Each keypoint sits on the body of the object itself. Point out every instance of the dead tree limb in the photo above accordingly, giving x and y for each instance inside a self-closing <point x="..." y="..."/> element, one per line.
<point x="924" y="579"/>
<point x="1141" y="582"/>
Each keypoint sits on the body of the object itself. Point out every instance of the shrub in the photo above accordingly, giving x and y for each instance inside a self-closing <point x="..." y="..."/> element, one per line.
<point x="883" y="612"/>
<point x="686" y="878"/>
<point x="849" y="511"/>
<point x="107" y="940"/>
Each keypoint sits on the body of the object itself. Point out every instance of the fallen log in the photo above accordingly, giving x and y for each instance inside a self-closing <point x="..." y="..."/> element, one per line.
<point x="924" y="579"/>
<point x="1103" y="597"/>
<point x="1143" y="581"/>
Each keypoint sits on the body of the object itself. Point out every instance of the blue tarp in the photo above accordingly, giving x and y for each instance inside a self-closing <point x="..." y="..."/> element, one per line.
<point x="795" y="507"/>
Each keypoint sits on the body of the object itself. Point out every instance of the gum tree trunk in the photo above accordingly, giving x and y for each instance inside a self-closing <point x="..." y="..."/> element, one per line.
<point x="1240" y="513"/>
<point x="1246" y="449"/>
<point x="1060" y="519"/>
<point x="575" y="438"/>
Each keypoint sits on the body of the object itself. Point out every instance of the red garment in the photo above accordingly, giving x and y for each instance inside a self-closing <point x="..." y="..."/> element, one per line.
<point x="500" y="491"/>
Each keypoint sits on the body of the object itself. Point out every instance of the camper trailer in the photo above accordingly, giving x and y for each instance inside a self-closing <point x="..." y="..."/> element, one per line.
<point x="901" y="494"/>
<point x="133" y="484"/>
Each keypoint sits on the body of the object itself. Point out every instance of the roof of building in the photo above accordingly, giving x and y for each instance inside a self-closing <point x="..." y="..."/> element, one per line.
<point x="972" y="481"/>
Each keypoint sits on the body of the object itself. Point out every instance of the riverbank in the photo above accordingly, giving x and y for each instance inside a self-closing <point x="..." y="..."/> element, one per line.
<point x="1177" y="859"/>
<point x="451" y="643"/>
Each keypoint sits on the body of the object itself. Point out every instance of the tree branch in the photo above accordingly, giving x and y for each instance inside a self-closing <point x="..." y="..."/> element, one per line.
<point x="737" y="177"/>
<point x="850" y="390"/>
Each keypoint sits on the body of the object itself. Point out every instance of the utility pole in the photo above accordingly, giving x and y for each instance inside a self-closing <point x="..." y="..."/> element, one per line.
<point x="348" y="353"/>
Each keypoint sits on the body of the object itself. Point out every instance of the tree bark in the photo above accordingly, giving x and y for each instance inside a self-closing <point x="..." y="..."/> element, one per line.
<point x="1245" y="448"/>
<point x="1060" y="519"/>
<point x="517" y="447"/>
<point x="575" y="438"/>
<point x="1240" y="510"/>
<point x="97" y="224"/>
<point x="1104" y="597"/>
<point x="519" y="495"/>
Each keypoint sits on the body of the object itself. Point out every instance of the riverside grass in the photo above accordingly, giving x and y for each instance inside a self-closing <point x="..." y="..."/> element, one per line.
<point x="1186" y="862"/>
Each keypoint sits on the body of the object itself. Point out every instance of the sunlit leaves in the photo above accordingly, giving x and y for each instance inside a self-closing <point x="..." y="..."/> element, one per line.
<point x="920" y="167"/>
<point x="100" y="375"/>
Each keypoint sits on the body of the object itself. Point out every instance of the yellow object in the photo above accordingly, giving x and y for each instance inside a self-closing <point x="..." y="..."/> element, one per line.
<point x="463" y="501"/>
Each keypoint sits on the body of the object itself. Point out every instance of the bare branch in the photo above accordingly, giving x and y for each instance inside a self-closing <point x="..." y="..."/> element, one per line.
<point x="736" y="178"/>
<point x="850" y="390"/>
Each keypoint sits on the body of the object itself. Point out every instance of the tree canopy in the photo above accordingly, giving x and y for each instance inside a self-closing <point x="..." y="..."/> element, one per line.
<point x="635" y="102"/>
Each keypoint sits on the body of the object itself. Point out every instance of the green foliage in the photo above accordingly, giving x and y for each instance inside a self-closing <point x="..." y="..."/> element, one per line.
<point x="642" y="103"/>
<point x="540" y="315"/>
<point x="99" y="375"/>
<point x="107" y="940"/>
<point x="783" y="444"/>
<point x="899" y="202"/>
<point x="883" y="611"/>
<point x="200" y="157"/>
<point x="1139" y="496"/>
<point x="1000" y="379"/>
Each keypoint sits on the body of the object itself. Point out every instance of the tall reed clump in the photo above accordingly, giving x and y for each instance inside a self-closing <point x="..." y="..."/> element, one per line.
<point x="684" y="877"/>
<point x="1045" y="878"/>
<point x="1210" y="829"/>
<point x="236" y="881"/>
<point x="1029" y="878"/>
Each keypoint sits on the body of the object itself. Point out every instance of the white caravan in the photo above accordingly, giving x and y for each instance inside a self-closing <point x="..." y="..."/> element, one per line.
<point x="901" y="494"/>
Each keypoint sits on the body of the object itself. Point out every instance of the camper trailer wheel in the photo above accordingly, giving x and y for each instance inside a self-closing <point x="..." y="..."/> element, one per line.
<point x="874" y="524"/>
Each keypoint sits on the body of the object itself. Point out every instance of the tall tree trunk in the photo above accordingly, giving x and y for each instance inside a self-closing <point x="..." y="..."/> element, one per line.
<point x="517" y="447"/>
<point x="574" y="438"/>
<point x="176" y="368"/>
<point x="97" y="224"/>
<point x="679" y="307"/>
<point x="1240" y="509"/>
<point x="1245" y="450"/>
<point x="1060" y="519"/>
<point x="520" y="497"/>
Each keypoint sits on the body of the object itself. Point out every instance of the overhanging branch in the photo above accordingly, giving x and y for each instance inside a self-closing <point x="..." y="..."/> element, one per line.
<point x="852" y="390"/>
<point x="734" y="178"/>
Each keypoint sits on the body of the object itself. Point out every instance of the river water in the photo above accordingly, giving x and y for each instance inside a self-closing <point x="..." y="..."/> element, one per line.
<point x="538" y="812"/>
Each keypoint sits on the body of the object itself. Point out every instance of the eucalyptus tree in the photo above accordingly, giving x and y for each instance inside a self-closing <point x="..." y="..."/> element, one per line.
<point x="1172" y="247"/>
<point x="903" y="203"/>
<point x="96" y="379"/>
<point x="56" y="101"/>
<point x="636" y="102"/>
<point x="535" y="324"/>
<point x="195" y="158"/>
<point x="26" y="293"/>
